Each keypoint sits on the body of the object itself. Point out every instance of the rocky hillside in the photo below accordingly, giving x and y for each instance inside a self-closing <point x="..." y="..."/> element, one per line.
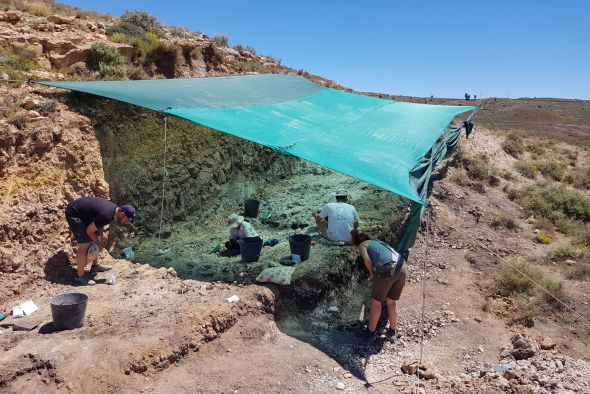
<point x="42" y="40"/>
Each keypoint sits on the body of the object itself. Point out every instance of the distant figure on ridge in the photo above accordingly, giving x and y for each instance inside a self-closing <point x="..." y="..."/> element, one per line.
<point x="387" y="269"/>
<point x="87" y="218"/>
<point x="337" y="219"/>
<point x="238" y="229"/>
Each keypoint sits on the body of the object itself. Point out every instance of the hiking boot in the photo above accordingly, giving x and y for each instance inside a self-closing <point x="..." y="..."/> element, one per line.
<point x="84" y="281"/>
<point x="390" y="335"/>
<point x="371" y="336"/>
<point x="101" y="268"/>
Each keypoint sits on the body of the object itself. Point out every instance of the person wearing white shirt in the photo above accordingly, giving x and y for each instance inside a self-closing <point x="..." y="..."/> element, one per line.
<point x="337" y="219"/>
<point x="238" y="229"/>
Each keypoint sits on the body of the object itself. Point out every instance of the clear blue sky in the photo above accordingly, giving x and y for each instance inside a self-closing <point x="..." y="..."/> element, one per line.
<point x="527" y="48"/>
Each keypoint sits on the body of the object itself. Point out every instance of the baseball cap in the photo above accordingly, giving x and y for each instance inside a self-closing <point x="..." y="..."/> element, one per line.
<point x="129" y="211"/>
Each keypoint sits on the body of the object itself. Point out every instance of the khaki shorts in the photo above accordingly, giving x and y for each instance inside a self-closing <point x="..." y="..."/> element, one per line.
<point x="389" y="288"/>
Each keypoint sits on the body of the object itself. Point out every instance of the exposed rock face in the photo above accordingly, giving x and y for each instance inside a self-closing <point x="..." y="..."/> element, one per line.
<point x="53" y="158"/>
<point x="60" y="20"/>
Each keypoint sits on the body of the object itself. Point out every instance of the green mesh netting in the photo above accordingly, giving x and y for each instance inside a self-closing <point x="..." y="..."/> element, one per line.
<point x="375" y="140"/>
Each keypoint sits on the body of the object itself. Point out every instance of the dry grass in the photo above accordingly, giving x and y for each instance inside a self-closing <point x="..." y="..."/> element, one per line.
<point x="509" y="281"/>
<point x="526" y="168"/>
<point x="543" y="237"/>
<point x="505" y="221"/>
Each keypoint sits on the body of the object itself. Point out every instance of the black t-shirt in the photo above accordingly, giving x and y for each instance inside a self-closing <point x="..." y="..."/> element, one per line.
<point x="93" y="210"/>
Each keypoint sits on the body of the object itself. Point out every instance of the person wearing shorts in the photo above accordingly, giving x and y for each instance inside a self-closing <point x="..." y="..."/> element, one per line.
<point x="87" y="216"/>
<point x="388" y="271"/>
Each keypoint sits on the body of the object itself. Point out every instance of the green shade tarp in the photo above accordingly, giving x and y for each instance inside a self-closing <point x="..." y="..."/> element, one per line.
<point x="378" y="141"/>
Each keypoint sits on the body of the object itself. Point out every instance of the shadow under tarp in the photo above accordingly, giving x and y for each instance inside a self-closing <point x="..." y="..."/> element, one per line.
<point x="336" y="326"/>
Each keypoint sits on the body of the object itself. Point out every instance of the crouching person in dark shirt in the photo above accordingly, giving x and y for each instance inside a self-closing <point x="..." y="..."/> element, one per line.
<point x="87" y="217"/>
<point x="387" y="270"/>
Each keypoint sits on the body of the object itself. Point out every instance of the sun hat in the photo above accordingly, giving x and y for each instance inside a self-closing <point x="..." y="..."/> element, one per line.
<point x="341" y="193"/>
<point x="129" y="211"/>
<point x="234" y="220"/>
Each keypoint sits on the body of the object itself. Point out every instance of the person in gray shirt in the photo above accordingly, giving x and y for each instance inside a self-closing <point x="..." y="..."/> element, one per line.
<point x="387" y="270"/>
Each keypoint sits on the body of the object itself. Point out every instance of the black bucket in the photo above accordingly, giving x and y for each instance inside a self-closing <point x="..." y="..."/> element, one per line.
<point x="68" y="310"/>
<point x="251" y="208"/>
<point x="250" y="248"/>
<point x="300" y="244"/>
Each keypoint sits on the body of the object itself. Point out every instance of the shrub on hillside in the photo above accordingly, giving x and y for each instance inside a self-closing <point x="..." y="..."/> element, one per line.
<point x="554" y="169"/>
<point x="543" y="237"/>
<point x="129" y="30"/>
<point x="579" y="177"/>
<point x="514" y="147"/>
<point x="103" y="54"/>
<point x="548" y="201"/>
<point x="212" y="56"/>
<point x="112" y="71"/>
<point x="554" y="290"/>
<point x="478" y="167"/>
<point x="219" y="40"/>
<point x="137" y="73"/>
<point x="509" y="281"/>
<point x="565" y="253"/>
<point x="143" y="20"/>
<point x="526" y="168"/>
<point x="18" y="58"/>
<point x="164" y="56"/>
<point x="117" y="37"/>
<point x="503" y="220"/>
<point x="177" y="31"/>
<point x="249" y="66"/>
<point x="40" y="9"/>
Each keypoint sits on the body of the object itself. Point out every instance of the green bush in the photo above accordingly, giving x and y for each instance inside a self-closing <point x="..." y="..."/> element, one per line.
<point x="565" y="253"/>
<point x="219" y="40"/>
<point x="514" y="147"/>
<point x="526" y="168"/>
<point x="117" y="37"/>
<point x="508" y="280"/>
<point x="249" y="66"/>
<point x="18" y="58"/>
<point x="128" y="29"/>
<point x="583" y="236"/>
<point x="103" y="54"/>
<point x="548" y="201"/>
<point x="112" y="71"/>
<point x="554" y="169"/>
<point x="143" y="20"/>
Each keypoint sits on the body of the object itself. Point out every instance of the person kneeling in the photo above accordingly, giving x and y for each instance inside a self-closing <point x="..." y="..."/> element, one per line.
<point x="388" y="271"/>
<point x="238" y="229"/>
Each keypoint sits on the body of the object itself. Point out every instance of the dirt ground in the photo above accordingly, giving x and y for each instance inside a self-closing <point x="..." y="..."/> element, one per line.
<point x="162" y="330"/>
